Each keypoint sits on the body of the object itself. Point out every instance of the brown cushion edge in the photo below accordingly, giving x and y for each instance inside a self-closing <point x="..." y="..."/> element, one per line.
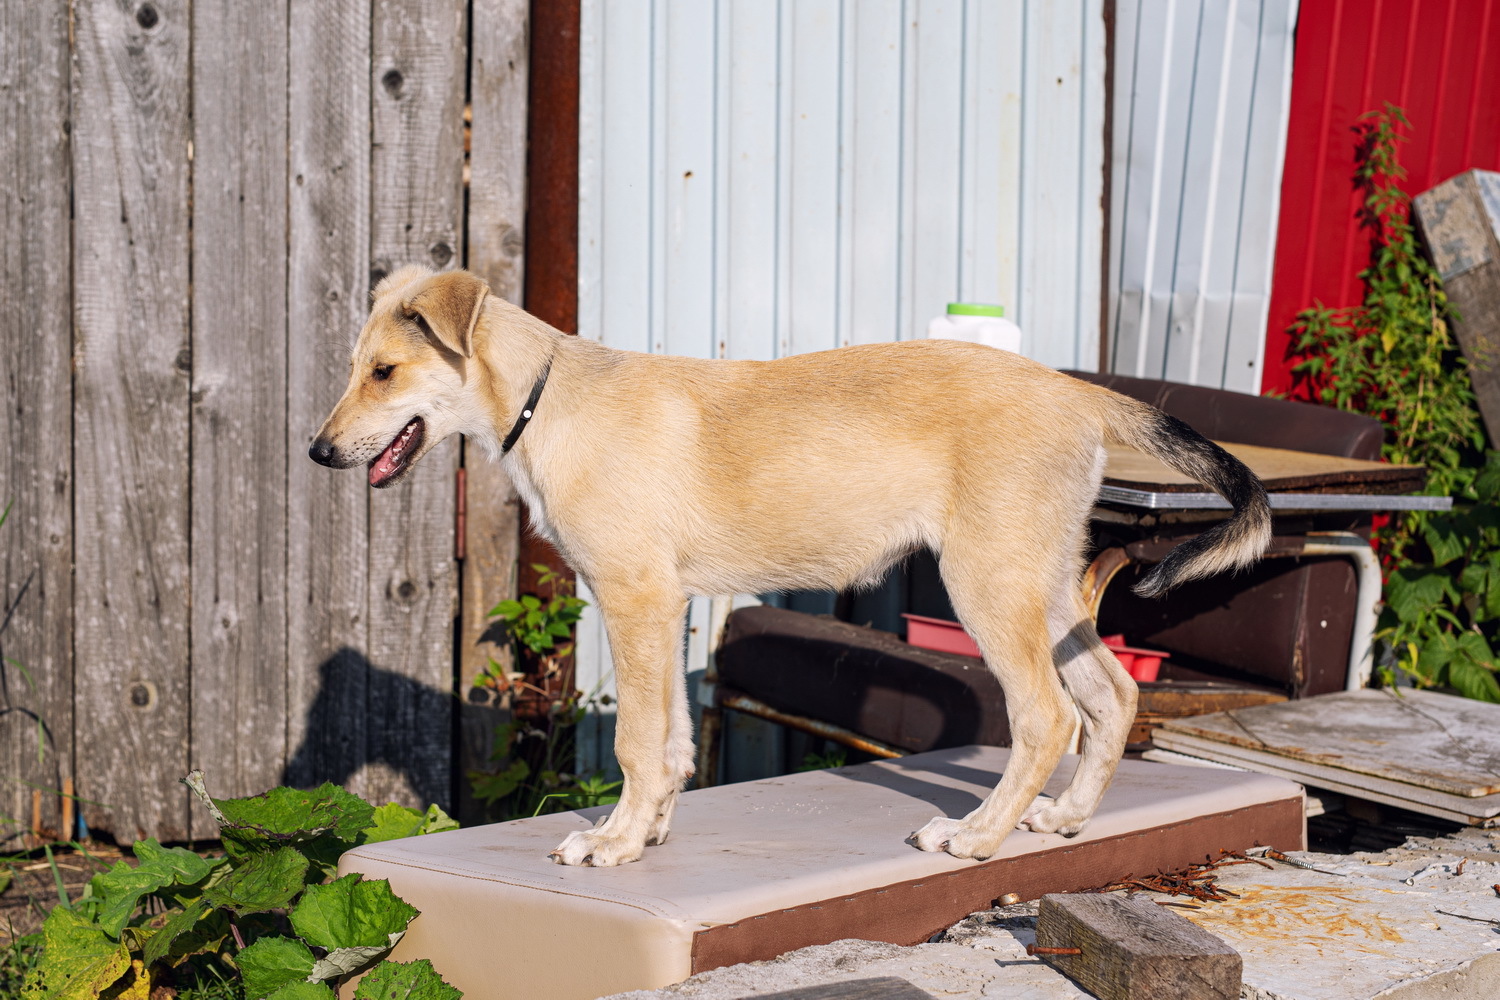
<point x="911" y="912"/>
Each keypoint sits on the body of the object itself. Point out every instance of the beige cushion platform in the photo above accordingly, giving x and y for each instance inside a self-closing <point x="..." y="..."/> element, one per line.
<point x="756" y="869"/>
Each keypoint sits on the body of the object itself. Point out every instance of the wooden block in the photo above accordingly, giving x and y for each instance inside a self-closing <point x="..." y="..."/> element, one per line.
<point x="879" y="988"/>
<point x="1132" y="949"/>
<point x="1460" y="220"/>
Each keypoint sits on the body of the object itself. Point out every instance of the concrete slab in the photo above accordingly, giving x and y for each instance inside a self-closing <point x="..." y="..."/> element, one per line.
<point x="1366" y="926"/>
<point x="995" y="967"/>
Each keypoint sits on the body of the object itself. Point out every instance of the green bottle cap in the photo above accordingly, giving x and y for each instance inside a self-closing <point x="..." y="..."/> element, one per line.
<point x="974" y="309"/>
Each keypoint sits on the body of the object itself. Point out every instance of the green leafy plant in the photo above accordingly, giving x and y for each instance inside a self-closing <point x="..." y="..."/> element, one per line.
<point x="531" y="766"/>
<point x="18" y="960"/>
<point x="269" y="919"/>
<point x="834" y="756"/>
<point x="541" y="626"/>
<point x="1392" y="357"/>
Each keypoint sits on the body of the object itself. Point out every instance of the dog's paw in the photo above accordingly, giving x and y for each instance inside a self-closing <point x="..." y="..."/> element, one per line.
<point x="662" y="824"/>
<point x="957" y="837"/>
<point x="1047" y="816"/>
<point x="589" y="849"/>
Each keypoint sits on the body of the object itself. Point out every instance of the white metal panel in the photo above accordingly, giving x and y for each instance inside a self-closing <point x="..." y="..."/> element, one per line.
<point x="1201" y="96"/>
<point x="854" y="167"/>
<point x="872" y="136"/>
<point x="767" y="177"/>
<point x="687" y="139"/>
<point x="1062" y="168"/>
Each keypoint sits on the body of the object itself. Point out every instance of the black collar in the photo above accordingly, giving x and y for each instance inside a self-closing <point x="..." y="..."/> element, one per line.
<point x="527" y="410"/>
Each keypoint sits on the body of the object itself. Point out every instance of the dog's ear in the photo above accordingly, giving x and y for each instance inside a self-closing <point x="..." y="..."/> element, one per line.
<point x="450" y="303"/>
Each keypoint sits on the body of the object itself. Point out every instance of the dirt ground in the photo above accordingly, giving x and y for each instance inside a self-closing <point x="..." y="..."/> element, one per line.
<point x="33" y="889"/>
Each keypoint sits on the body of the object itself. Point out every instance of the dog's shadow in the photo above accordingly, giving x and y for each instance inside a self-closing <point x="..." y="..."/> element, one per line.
<point x="364" y="715"/>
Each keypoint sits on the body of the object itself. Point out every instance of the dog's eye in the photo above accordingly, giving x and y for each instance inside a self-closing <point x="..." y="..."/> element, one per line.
<point x="382" y="372"/>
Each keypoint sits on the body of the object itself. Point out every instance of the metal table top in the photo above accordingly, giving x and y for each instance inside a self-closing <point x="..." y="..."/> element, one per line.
<point x="1369" y="502"/>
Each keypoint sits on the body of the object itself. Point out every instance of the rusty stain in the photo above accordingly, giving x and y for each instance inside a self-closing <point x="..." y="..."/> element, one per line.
<point x="1335" y="918"/>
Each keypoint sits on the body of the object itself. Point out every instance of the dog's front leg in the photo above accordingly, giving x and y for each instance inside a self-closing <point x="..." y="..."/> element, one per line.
<point x="645" y="636"/>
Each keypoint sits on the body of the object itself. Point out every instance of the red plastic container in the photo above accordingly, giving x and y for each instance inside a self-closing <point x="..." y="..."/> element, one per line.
<point x="1142" y="664"/>
<point x="939" y="634"/>
<point x="949" y="637"/>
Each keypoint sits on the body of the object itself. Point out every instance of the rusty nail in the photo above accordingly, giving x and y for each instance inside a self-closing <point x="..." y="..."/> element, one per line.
<point x="1032" y="949"/>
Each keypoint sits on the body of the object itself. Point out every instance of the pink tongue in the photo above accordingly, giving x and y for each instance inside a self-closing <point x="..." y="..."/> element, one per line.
<point x="384" y="465"/>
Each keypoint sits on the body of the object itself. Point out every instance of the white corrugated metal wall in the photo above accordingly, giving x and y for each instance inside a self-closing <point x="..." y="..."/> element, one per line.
<point x="1201" y="92"/>
<point x="761" y="178"/>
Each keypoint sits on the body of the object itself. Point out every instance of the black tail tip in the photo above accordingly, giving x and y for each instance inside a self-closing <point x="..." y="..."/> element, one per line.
<point x="1161" y="578"/>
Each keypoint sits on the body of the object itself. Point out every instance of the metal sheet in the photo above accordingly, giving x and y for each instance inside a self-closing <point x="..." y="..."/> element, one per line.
<point x="1437" y="59"/>
<point x="1200" y="119"/>
<point x="1279" y="501"/>
<point x="758" y="179"/>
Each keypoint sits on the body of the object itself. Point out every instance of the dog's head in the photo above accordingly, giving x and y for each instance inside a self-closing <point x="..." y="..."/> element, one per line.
<point x="407" y="377"/>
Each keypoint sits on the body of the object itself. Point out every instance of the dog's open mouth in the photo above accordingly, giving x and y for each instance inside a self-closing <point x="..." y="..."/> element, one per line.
<point x="391" y="464"/>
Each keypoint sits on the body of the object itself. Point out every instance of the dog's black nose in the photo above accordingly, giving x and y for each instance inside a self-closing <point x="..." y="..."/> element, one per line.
<point x="321" y="451"/>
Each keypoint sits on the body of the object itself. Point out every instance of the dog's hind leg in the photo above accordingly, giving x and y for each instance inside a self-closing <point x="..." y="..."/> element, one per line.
<point x="645" y="628"/>
<point x="1005" y="608"/>
<point x="1105" y="695"/>
<point x="681" y="760"/>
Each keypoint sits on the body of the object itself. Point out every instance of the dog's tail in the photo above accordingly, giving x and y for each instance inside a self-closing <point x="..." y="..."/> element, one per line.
<point x="1230" y="544"/>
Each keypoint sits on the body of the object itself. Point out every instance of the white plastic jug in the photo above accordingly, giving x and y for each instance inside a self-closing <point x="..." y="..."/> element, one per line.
<point x="978" y="324"/>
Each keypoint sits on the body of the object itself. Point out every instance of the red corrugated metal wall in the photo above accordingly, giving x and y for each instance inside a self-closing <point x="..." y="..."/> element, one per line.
<point x="1440" y="61"/>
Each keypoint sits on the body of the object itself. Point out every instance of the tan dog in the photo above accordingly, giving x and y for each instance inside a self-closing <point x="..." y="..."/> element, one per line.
<point x="664" y="477"/>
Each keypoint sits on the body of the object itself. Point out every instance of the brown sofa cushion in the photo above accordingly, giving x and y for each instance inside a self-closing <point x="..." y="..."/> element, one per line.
<point x="861" y="679"/>
<point x="1258" y="420"/>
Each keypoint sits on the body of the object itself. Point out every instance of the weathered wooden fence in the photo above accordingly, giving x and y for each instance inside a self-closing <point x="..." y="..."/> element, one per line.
<point x="197" y="198"/>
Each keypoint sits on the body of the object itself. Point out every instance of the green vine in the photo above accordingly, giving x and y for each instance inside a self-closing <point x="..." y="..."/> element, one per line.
<point x="1393" y="357"/>
<point x="531" y="767"/>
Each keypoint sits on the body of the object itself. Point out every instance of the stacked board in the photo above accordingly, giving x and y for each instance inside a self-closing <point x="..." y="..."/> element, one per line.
<point x="1431" y="753"/>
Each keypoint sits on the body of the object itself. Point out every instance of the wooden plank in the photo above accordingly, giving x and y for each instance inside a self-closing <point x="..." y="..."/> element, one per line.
<point x="1132" y="949"/>
<point x="1460" y="219"/>
<point x="1480" y="810"/>
<point x="1278" y="468"/>
<point x="416" y="189"/>
<point x="1436" y="741"/>
<point x="328" y="275"/>
<point x="36" y="390"/>
<point x="133" y="359"/>
<point x="1160" y="701"/>
<point x="498" y="67"/>
<point x="239" y="416"/>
